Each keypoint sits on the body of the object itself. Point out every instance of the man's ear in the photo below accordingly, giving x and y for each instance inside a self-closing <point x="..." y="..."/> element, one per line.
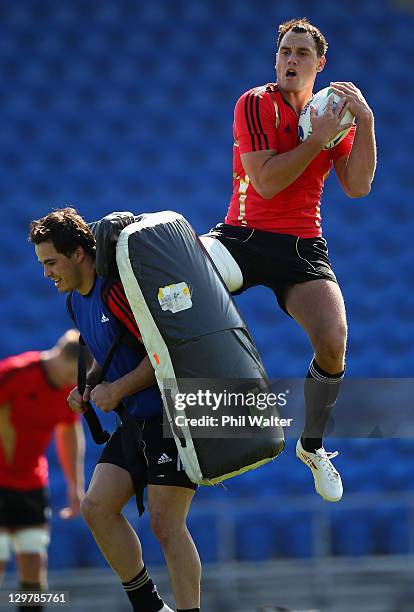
<point x="321" y="63"/>
<point x="79" y="254"/>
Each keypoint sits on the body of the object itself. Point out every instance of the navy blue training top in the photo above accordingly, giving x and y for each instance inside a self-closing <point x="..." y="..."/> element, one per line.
<point x="94" y="318"/>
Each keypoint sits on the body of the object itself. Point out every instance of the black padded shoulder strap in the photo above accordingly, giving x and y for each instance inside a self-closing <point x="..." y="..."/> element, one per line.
<point x="69" y="308"/>
<point x="99" y="435"/>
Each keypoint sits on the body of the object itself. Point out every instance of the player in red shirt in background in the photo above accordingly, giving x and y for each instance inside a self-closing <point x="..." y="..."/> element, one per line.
<point x="34" y="387"/>
<point x="273" y="225"/>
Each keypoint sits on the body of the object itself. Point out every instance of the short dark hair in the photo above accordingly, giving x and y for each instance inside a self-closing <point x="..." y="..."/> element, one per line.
<point x="66" y="229"/>
<point x="302" y="26"/>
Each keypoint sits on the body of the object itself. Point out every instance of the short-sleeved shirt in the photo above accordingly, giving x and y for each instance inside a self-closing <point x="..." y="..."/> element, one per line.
<point x="34" y="407"/>
<point x="263" y="119"/>
<point x="98" y="316"/>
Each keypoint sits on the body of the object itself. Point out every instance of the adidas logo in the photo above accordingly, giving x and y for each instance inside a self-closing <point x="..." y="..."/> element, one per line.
<point x="288" y="130"/>
<point x="104" y="318"/>
<point x="164" y="459"/>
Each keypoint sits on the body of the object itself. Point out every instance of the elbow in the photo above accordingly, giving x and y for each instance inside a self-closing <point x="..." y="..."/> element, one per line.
<point x="360" y="192"/>
<point x="267" y="194"/>
<point x="265" y="191"/>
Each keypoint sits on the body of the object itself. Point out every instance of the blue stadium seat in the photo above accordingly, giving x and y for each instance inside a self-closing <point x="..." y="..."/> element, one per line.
<point x="135" y="114"/>
<point x="361" y="476"/>
<point x="205" y="533"/>
<point x="294" y="533"/>
<point x="255" y="535"/>
<point x="393" y="530"/>
<point x="352" y="533"/>
<point x="63" y="550"/>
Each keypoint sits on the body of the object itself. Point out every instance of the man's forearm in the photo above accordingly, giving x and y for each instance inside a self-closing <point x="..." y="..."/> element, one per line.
<point x="281" y="170"/>
<point x="137" y="380"/>
<point x="70" y="445"/>
<point x="7" y="433"/>
<point x="362" y="161"/>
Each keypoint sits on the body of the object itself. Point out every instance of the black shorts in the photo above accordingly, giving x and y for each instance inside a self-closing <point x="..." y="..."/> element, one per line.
<point x="157" y="458"/>
<point x="19" y="509"/>
<point x="277" y="261"/>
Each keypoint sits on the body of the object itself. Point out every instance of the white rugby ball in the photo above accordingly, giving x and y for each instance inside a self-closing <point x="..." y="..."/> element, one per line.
<point x="320" y="102"/>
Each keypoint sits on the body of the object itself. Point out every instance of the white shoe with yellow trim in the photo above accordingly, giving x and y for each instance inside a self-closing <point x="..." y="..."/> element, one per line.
<point x="328" y="482"/>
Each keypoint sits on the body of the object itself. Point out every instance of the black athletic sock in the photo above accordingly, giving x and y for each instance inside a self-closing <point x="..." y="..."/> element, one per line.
<point x="321" y="392"/>
<point x="31" y="587"/>
<point x="142" y="593"/>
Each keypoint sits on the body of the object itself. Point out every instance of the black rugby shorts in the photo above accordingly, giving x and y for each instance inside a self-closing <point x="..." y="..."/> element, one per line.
<point x="277" y="261"/>
<point x="157" y="458"/>
<point x="19" y="509"/>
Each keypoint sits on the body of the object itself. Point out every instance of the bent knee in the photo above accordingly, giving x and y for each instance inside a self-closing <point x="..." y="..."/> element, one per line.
<point x="160" y="526"/>
<point x="93" y="510"/>
<point x="331" y="345"/>
<point x="88" y="509"/>
<point x="165" y="529"/>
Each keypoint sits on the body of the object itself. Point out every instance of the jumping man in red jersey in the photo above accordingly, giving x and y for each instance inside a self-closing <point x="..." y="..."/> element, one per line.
<point x="33" y="404"/>
<point x="273" y="224"/>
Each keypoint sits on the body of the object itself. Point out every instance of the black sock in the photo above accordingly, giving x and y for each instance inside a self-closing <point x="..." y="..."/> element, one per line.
<point x="321" y="392"/>
<point x="142" y="593"/>
<point x="31" y="587"/>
